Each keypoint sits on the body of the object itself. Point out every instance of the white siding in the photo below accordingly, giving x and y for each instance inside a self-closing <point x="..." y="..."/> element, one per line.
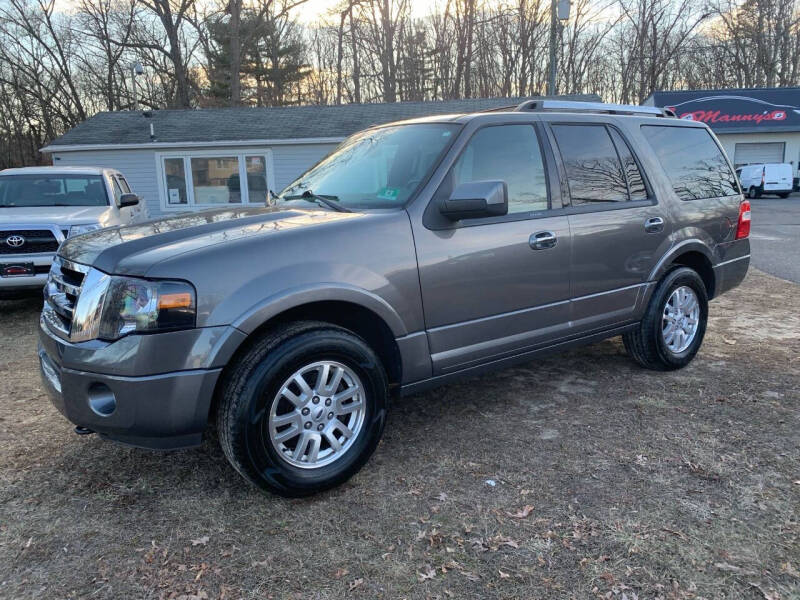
<point x="139" y="166"/>
<point x="791" y="139"/>
<point x="289" y="162"/>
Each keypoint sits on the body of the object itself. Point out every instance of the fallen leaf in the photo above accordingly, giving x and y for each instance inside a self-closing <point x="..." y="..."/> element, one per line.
<point x="356" y="583"/>
<point x="341" y="573"/>
<point x="729" y="342"/>
<point x="522" y="513"/>
<point x="503" y="575"/>
<point x="789" y="570"/>
<point x="608" y="577"/>
<point x="202" y="541"/>
<point x="427" y="573"/>
<point x="441" y="497"/>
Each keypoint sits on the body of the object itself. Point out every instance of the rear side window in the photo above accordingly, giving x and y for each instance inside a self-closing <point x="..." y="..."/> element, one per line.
<point x="636" y="186"/>
<point x="594" y="170"/>
<point x="692" y="160"/>
<point x="508" y="153"/>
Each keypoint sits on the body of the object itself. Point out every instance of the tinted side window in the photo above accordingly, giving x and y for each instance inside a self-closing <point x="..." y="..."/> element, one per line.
<point x="692" y="160"/>
<point x="593" y="168"/>
<point x="509" y="153"/>
<point x="636" y="187"/>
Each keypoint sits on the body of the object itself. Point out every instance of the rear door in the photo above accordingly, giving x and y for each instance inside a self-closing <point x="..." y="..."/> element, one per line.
<point x="618" y="229"/>
<point x="499" y="286"/>
<point x="778" y="177"/>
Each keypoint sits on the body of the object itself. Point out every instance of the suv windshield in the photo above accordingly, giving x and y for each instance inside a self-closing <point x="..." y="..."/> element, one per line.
<point x="52" y="190"/>
<point x="378" y="168"/>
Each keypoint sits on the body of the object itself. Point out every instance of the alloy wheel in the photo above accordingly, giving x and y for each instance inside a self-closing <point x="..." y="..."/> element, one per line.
<point x="317" y="414"/>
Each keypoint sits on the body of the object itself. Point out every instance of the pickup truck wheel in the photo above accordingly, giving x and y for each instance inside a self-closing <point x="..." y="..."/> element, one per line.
<point x="673" y="326"/>
<point x="303" y="408"/>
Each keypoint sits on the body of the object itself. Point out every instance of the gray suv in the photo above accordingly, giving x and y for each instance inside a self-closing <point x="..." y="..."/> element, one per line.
<point x="415" y="253"/>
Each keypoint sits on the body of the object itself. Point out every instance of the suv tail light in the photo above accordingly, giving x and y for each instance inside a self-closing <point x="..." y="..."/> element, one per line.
<point x="743" y="228"/>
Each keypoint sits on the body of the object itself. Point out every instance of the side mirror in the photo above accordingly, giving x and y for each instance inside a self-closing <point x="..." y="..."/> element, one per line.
<point x="475" y="200"/>
<point x="128" y="200"/>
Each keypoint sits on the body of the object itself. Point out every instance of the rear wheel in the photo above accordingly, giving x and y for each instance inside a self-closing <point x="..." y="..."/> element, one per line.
<point x="753" y="192"/>
<point x="672" y="330"/>
<point x="303" y="409"/>
<point x="784" y="195"/>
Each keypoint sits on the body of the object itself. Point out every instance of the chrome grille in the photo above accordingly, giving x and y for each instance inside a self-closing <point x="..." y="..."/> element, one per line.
<point x="61" y="294"/>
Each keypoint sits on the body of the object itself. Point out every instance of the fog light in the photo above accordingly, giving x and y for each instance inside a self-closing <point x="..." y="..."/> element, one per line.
<point x="101" y="399"/>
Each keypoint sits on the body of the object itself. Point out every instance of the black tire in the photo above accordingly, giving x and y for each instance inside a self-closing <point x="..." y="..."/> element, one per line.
<point x="646" y="344"/>
<point x="249" y="390"/>
<point x="784" y="195"/>
<point x="752" y="192"/>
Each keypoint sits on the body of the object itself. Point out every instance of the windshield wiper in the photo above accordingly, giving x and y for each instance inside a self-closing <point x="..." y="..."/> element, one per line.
<point x="329" y="201"/>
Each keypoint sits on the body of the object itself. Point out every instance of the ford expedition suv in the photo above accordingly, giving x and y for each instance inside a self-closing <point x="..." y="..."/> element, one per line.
<point x="42" y="206"/>
<point x="415" y="253"/>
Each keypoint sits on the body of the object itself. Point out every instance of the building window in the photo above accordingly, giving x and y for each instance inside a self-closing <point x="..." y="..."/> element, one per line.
<point x="203" y="179"/>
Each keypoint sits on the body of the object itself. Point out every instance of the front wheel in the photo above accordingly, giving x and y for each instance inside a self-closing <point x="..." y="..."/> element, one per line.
<point x="674" y="324"/>
<point x="303" y="409"/>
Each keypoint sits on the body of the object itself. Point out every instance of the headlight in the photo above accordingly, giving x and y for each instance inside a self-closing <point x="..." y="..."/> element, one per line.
<point x="86" y="228"/>
<point x="117" y="306"/>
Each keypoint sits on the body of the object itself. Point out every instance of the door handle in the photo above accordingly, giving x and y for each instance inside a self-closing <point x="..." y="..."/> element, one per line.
<point x="654" y="225"/>
<point x="542" y="240"/>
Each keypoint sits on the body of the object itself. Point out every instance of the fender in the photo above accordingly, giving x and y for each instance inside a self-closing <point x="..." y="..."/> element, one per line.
<point x="286" y="299"/>
<point x="693" y="245"/>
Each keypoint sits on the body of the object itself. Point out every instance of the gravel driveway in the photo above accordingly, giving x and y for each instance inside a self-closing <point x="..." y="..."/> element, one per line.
<point x="575" y="476"/>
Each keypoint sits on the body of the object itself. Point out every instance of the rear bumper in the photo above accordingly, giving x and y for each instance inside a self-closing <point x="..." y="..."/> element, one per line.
<point x="776" y="190"/>
<point x="730" y="273"/>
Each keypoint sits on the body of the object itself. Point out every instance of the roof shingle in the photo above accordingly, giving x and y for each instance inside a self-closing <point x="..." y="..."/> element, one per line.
<point x="269" y="123"/>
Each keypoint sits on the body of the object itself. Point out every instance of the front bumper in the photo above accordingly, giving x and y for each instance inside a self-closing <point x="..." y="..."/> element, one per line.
<point x="160" y="410"/>
<point x="41" y="263"/>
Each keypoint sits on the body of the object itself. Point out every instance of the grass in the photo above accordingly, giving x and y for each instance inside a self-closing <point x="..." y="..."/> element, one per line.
<point x="643" y="485"/>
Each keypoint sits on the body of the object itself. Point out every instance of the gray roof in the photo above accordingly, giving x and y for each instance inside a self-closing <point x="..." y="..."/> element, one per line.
<point x="275" y="123"/>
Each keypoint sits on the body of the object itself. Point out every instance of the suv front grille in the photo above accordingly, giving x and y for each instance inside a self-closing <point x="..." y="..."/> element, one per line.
<point x="33" y="241"/>
<point x="61" y="294"/>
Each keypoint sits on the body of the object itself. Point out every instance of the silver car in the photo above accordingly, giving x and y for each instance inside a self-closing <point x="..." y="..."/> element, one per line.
<point x="416" y="253"/>
<point x="42" y="206"/>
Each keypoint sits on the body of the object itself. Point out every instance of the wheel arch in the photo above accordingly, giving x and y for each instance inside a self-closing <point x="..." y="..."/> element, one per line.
<point x="692" y="254"/>
<point x="362" y="320"/>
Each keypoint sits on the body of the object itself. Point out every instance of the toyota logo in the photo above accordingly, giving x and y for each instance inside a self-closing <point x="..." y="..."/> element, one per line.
<point x="15" y="241"/>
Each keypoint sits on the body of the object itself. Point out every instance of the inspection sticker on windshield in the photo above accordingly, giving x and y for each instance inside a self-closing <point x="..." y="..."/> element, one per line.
<point x="388" y="193"/>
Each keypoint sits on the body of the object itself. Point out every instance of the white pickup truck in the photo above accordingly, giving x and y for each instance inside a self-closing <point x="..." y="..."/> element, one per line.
<point x="42" y="206"/>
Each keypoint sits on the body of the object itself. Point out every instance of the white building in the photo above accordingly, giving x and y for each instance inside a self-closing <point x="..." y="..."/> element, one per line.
<point x="178" y="160"/>
<point x="760" y="125"/>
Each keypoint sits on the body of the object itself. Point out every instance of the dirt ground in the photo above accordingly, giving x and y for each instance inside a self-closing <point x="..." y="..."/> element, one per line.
<point x="575" y="476"/>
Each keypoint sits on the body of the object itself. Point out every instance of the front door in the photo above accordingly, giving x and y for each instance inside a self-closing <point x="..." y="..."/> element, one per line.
<point x="496" y="287"/>
<point x="618" y="230"/>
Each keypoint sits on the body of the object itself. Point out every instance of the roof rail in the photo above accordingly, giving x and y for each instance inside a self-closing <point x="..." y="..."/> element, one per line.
<point x="592" y="107"/>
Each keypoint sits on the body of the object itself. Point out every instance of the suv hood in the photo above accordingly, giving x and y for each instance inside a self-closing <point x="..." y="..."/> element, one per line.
<point x="63" y="216"/>
<point x="133" y="249"/>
